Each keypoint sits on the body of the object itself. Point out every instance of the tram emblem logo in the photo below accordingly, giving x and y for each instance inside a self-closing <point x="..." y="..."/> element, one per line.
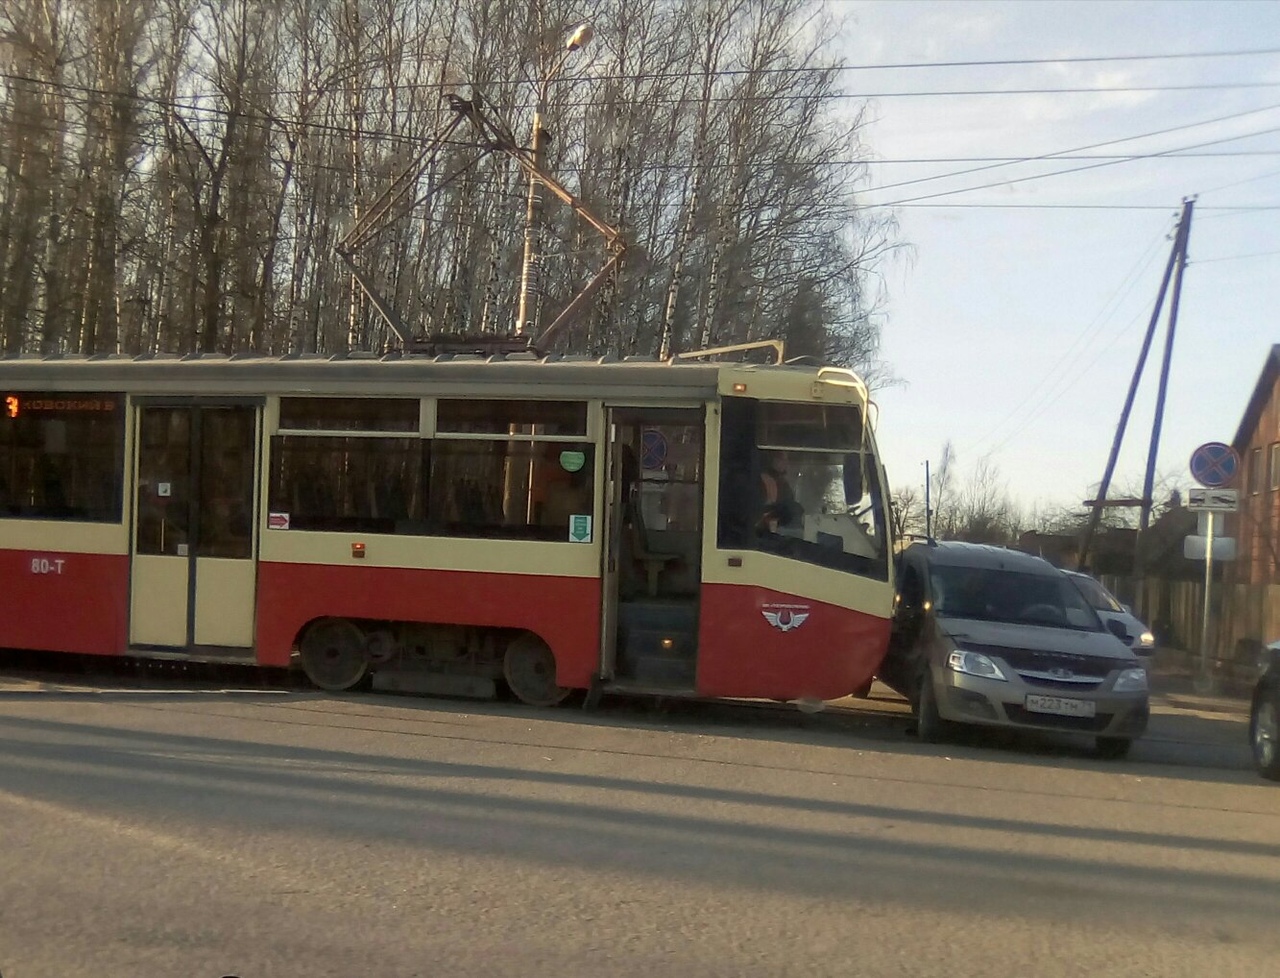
<point x="785" y="617"/>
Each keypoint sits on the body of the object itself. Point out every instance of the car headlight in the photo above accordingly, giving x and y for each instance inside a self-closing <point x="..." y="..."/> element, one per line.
<point x="1146" y="640"/>
<point x="974" y="664"/>
<point x="1131" y="681"/>
<point x="1268" y="655"/>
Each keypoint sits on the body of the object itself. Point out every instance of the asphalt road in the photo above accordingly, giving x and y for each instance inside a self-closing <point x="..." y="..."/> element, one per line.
<point x="273" y="833"/>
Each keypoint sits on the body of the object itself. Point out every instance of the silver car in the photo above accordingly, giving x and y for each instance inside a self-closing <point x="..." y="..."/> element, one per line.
<point x="1109" y="608"/>
<point x="986" y="636"/>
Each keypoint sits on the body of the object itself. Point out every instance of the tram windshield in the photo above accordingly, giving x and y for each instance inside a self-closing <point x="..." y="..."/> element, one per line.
<point x="803" y="481"/>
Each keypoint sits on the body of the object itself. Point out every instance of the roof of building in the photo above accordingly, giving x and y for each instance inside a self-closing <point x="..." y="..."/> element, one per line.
<point x="1258" y="399"/>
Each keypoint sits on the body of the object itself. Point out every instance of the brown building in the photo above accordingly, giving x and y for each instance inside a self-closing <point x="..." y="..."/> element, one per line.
<point x="1251" y="602"/>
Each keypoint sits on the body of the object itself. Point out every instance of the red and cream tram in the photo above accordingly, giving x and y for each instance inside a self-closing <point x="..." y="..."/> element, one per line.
<point x="699" y="528"/>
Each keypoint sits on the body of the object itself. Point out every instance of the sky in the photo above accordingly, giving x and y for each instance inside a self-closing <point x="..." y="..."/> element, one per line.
<point x="1013" y="323"/>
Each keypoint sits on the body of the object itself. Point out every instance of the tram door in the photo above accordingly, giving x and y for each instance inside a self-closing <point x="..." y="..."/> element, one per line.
<point x="653" y="547"/>
<point x="195" y="511"/>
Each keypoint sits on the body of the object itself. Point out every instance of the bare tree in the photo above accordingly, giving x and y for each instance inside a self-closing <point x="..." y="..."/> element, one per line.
<point x="175" y="174"/>
<point x="975" y="506"/>
<point x="906" y="512"/>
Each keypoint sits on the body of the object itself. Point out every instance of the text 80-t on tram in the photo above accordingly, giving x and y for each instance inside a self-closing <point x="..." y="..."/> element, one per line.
<point x="450" y="523"/>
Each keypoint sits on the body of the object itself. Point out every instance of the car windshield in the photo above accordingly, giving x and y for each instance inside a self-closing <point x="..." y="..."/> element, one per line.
<point x="1098" y="596"/>
<point x="993" y="594"/>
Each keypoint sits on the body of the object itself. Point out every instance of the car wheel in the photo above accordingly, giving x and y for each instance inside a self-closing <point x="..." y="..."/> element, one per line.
<point x="930" y="726"/>
<point x="1112" y="748"/>
<point x="1264" y="737"/>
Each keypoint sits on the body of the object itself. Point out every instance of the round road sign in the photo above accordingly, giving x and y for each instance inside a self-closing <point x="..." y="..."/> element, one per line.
<point x="653" y="449"/>
<point x="1214" y="464"/>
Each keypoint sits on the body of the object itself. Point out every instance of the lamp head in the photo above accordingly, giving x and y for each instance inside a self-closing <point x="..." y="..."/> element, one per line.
<point x="580" y="37"/>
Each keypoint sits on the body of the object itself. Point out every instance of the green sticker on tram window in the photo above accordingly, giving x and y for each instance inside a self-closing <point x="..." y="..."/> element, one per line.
<point x="573" y="461"/>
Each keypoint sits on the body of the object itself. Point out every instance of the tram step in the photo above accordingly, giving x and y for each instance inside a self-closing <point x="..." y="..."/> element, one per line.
<point x="655" y="670"/>
<point x="657" y="629"/>
<point x="659" y="615"/>
<point x="638" y="644"/>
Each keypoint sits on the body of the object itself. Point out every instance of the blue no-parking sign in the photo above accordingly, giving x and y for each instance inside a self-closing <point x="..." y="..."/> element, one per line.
<point x="1214" y="464"/>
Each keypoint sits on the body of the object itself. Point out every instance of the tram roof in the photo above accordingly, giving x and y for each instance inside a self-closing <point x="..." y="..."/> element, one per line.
<point x="364" y="374"/>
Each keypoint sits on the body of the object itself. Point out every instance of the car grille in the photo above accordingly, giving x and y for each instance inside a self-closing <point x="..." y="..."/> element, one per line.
<point x="1018" y="714"/>
<point x="1076" y="683"/>
<point x="1095" y="667"/>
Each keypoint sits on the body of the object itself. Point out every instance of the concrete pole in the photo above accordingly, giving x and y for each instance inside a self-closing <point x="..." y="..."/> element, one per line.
<point x="526" y="314"/>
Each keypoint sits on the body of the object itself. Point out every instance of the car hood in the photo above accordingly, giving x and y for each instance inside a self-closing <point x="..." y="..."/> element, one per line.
<point x="1007" y="635"/>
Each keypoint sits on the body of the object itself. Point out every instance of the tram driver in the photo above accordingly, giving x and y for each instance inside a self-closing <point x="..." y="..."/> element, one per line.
<point x="781" y="511"/>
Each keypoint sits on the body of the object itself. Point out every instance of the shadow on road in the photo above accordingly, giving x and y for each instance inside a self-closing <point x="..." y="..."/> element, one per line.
<point x="609" y="821"/>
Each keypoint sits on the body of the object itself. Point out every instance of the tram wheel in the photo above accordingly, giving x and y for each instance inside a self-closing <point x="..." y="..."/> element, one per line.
<point x="529" y="667"/>
<point x="333" y="655"/>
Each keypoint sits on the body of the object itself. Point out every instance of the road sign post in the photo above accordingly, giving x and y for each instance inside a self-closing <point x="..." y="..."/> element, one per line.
<point x="1206" y="680"/>
<point x="1213" y="465"/>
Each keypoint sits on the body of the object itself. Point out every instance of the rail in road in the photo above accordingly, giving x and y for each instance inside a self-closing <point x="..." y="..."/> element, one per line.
<point x="1186" y="728"/>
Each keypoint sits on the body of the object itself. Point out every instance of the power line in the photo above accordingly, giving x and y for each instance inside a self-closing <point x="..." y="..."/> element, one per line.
<point x="1058" y="173"/>
<point x="973" y="92"/>
<point x="1241" y="183"/>
<point x="409" y="139"/>
<point x="1235" y="208"/>
<point x="916" y="65"/>
<point x="1083" y="59"/>
<point x="1046" y="393"/>
<point x="735" y="97"/>
<point x="1066" y="155"/>
<point x="1254" y="254"/>
<point x="53" y="126"/>
<point x="302" y="163"/>
<point x="1108" y="142"/>
<point x="1102" y="351"/>
<point x="916" y="201"/>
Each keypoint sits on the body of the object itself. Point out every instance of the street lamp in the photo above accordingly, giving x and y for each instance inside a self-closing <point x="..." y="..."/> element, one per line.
<point x="525" y="316"/>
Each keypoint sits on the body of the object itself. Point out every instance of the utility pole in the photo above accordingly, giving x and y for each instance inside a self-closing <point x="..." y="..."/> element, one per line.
<point x="928" y="508"/>
<point x="1148" y="485"/>
<point x="527" y="312"/>
<point x="1100" y="501"/>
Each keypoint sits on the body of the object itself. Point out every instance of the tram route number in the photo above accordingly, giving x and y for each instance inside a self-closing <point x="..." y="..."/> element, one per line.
<point x="47" y="565"/>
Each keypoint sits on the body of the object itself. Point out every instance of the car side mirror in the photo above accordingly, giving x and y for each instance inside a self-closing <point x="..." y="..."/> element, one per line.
<point x="1117" y="629"/>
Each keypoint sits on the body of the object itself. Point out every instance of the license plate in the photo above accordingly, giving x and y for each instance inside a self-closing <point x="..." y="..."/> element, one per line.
<point x="1060" y="706"/>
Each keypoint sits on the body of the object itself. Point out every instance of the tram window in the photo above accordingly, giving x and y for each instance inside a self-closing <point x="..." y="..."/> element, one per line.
<point x="369" y="485"/>
<point x="348" y="414"/>
<point x="791" y="486"/>
<point x="62" y="456"/>
<point x="830" y="427"/>
<point x="513" y="490"/>
<point x="225" y="490"/>
<point x="548" y="419"/>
